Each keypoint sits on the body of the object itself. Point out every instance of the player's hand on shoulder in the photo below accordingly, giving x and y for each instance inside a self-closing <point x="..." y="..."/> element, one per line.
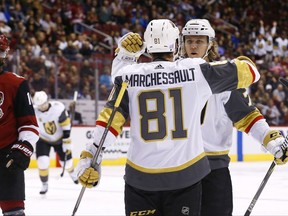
<point x="87" y="174"/>
<point x="19" y="156"/>
<point x="274" y="142"/>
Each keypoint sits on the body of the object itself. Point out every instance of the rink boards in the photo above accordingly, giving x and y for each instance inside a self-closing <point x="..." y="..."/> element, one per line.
<point x="244" y="148"/>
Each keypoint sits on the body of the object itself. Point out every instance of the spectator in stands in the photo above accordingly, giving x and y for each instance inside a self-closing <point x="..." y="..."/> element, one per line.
<point x="282" y="43"/>
<point x="271" y="113"/>
<point x="27" y="19"/>
<point x="71" y="52"/>
<point x="260" y="49"/>
<point x="35" y="48"/>
<point x="86" y="50"/>
<point x="118" y="13"/>
<point x="85" y="93"/>
<point x="47" y="24"/>
<point x="105" y="12"/>
<point x="5" y="29"/>
<point x="38" y="82"/>
<point x="105" y="78"/>
<point x="279" y="94"/>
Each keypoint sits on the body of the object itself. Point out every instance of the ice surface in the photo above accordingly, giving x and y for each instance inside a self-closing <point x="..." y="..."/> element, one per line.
<point x="108" y="198"/>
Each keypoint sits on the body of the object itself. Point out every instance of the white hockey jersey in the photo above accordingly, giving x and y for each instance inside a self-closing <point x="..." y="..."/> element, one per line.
<point x="53" y="122"/>
<point x="164" y="101"/>
<point x="221" y="113"/>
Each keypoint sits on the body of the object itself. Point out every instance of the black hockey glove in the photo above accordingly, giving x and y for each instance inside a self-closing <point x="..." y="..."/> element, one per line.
<point x="19" y="156"/>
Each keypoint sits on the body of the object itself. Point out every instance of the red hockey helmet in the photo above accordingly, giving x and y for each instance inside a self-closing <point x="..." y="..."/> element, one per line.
<point x="4" y="46"/>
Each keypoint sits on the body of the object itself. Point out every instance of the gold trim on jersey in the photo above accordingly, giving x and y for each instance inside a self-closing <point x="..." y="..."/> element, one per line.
<point x="226" y="152"/>
<point x="165" y="170"/>
<point x="65" y="123"/>
<point x="246" y="122"/>
<point x="118" y="120"/>
<point x="245" y="76"/>
<point x="43" y="172"/>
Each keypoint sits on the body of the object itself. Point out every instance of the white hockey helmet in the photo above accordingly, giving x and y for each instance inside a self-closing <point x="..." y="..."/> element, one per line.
<point x="199" y="27"/>
<point x="161" y="36"/>
<point x="40" y="97"/>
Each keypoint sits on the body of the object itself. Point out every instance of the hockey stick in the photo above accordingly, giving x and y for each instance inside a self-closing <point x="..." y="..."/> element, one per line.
<point x="261" y="187"/>
<point x="265" y="180"/>
<point x="106" y="130"/>
<point x="270" y="170"/>
<point x="72" y="112"/>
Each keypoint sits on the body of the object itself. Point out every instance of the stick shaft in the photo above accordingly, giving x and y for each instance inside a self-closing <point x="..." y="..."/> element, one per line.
<point x="72" y="113"/>
<point x="95" y="157"/>
<point x="116" y="105"/>
<point x="265" y="180"/>
<point x="260" y="189"/>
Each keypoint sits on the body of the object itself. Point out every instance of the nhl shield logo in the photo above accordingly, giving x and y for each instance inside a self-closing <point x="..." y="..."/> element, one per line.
<point x="185" y="210"/>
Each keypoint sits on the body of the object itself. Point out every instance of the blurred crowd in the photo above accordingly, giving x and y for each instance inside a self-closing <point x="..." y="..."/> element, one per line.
<point x="65" y="45"/>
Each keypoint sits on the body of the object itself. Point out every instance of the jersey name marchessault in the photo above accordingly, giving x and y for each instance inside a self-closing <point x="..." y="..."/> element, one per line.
<point x="161" y="78"/>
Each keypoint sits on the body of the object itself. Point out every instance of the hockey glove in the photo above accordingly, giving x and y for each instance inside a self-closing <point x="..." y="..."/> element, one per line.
<point x="19" y="156"/>
<point x="66" y="145"/>
<point x="87" y="175"/>
<point x="130" y="47"/>
<point x="273" y="142"/>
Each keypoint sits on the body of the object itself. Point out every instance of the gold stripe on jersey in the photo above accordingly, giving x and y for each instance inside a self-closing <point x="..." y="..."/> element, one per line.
<point x="118" y="120"/>
<point x="245" y="73"/>
<point x="217" y="153"/>
<point x="247" y="122"/>
<point x="65" y="123"/>
<point x="166" y="170"/>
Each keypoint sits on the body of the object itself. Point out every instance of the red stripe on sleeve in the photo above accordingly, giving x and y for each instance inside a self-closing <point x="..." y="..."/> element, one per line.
<point x="252" y="72"/>
<point x="253" y="122"/>
<point x="111" y="129"/>
<point x="29" y="129"/>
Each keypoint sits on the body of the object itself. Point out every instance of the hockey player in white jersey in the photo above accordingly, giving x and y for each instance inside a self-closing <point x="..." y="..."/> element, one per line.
<point x="55" y="126"/>
<point x="166" y="160"/>
<point x="220" y="114"/>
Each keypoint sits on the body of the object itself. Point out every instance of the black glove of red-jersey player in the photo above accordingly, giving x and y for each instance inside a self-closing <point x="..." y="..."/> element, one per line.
<point x="19" y="156"/>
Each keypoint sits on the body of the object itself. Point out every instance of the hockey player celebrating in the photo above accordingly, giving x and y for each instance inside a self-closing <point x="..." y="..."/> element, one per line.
<point x="55" y="126"/>
<point x="18" y="133"/>
<point x="166" y="160"/>
<point x="233" y="109"/>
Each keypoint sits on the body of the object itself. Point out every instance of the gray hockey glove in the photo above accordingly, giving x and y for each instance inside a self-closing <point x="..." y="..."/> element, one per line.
<point x="273" y="141"/>
<point x="19" y="156"/>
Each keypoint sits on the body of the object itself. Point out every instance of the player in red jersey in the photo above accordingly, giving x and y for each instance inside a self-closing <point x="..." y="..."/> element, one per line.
<point x="19" y="132"/>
